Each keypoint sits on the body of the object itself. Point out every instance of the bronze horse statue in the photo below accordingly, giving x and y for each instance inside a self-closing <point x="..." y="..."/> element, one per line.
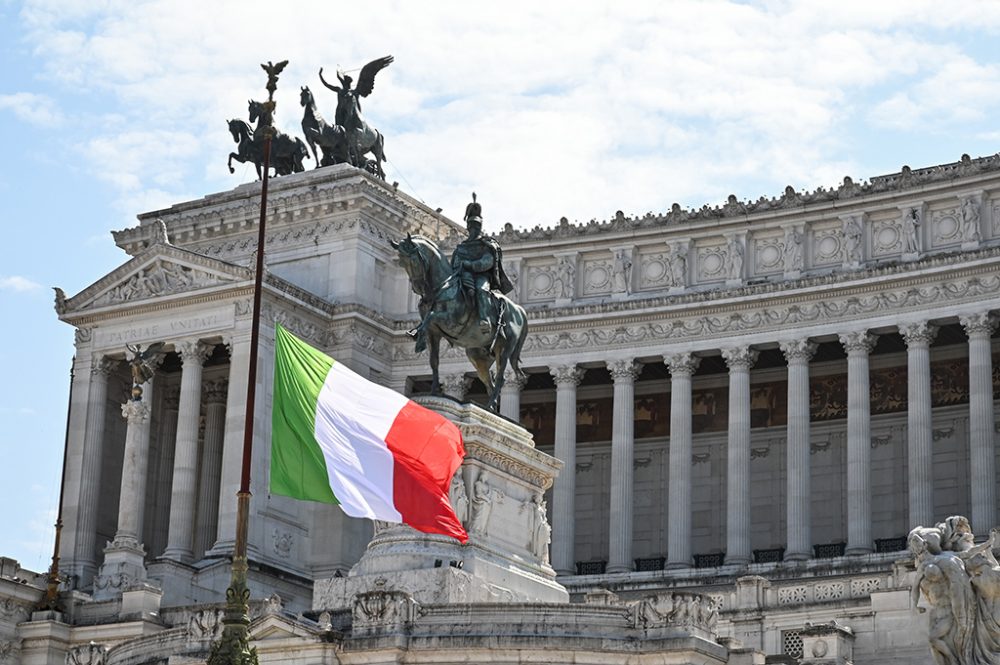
<point x="450" y="312"/>
<point x="287" y="152"/>
<point x="332" y="139"/>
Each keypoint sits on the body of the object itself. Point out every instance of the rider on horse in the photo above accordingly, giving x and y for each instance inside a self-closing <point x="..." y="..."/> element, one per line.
<point x="478" y="263"/>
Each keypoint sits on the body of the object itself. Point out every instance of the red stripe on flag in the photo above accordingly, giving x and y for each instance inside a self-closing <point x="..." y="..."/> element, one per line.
<point x="427" y="449"/>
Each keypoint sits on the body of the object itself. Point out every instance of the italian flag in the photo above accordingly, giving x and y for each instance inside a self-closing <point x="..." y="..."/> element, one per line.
<point x="338" y="438"/>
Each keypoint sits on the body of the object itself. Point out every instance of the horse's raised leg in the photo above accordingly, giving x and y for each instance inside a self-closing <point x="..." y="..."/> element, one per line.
<point x="230" y="162"/>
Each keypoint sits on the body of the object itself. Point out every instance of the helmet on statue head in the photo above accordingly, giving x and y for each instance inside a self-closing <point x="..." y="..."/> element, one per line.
<point x="473" y="212"/>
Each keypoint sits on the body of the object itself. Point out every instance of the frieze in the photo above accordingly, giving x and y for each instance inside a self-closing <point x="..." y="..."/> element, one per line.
<point x="507" y="464"/>
<point x="13" y="611"/>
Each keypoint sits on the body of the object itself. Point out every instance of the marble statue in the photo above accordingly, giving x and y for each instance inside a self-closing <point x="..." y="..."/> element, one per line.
<point x="735" y="258"/>
<point x="459" y="498"/>
<point x="852" y="241"/>
<point x="961" y="584"/>
<point x="793" y="249"/>
<point x="970" y="220"/>
<point x="622" y="272"/>
<point x="541" y="532"/>
<point x="677" y="260"/>
<point x="484" y="498"/>
<point x="566" y="276"/>
<point x="911" y="224"/>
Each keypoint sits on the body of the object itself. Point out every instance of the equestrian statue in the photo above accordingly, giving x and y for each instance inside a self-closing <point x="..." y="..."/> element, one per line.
<point x="463" y="301"/>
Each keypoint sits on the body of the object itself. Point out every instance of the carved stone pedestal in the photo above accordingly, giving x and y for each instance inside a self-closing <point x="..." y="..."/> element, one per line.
<point x="827" y="644"/>
<point x="497" y="494"/>
<point x="124" y="568"/>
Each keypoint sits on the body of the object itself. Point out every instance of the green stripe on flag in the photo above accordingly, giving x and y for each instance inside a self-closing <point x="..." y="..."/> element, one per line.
<point x="298" y="468"/>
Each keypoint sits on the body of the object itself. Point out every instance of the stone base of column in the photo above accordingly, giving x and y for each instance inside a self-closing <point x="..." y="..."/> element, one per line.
<point x="177" y="581"/>
<point x="124" y="568"/>
<point x="737" y="560"/>
<point x="677" y="565"/>
<point x="506" y="557"/>
<point x="618" y="568"/>
<point x="797" y="556"/>
<point x="858" y="551"/>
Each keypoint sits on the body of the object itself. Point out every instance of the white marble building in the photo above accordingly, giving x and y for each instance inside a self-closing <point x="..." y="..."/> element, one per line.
<point x="755" y="401"/>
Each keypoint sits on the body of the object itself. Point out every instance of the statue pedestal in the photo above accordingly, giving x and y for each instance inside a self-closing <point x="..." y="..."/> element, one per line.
<point x="499" y="500"/>
<point x="124" y="568"/>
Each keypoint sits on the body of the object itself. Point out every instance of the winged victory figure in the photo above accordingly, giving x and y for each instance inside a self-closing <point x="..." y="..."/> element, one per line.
<point x="141" y="362"/>
<point x="362" y="138"/>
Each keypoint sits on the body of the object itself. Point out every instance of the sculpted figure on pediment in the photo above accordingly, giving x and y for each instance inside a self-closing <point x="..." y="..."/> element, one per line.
<point x="735" y="258"/>
<point x="911" y="225"/>
<point x="622" y="271"/>
<point x="676" y="257"/>
<point x="852" y="241"/>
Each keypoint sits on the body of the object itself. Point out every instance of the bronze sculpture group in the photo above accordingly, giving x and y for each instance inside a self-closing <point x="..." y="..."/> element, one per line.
<point x="350" y="139"/>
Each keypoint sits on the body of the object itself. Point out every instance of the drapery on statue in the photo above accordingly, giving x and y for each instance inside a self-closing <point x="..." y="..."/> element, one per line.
<point x="961" y="582"/>
<point x="362" y="138"/>
<point x="141" y="365"/>
<point x="463" y="301"/>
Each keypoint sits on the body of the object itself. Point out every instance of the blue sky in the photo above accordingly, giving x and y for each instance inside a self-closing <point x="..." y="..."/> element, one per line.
<point x="110" y="108"/>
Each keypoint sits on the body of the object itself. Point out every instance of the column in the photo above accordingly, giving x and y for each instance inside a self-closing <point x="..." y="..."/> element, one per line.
<point x="163" y="472"/>
<point x="858" y="345"/>
<point x="93" y="456"/>
<point x="739" y="360"/>
<point x="211" y="464"/>
<point x="919" y="430"/>
<point x="180" y="538"/>
<point x="979" y="327"/>
<point x="124" y="557"/>
<point x="798" y="521"/>
<point x="624" y="373"/>
<point x="567" y="378"/>
<point x="456" y="385"/>
<point x="510" y="395"/>
<point x="232" y="445"/>
<point x="682" y="367"/>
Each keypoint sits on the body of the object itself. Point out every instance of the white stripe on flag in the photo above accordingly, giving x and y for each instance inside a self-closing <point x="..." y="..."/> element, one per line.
<point x="353" y="417"/>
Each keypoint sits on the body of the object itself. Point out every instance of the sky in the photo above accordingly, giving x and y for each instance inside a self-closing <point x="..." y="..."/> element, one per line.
<point x="112" y="108"/>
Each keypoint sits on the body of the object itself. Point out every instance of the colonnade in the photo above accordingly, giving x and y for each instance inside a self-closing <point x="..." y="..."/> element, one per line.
<point x="195" y="471"/>
<point x="858" y="345"/>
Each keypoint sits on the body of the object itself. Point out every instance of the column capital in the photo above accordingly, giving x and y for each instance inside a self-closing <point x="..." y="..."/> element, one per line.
<point x="567" y="374"/>
<point x="858" y="342"/>
<point x="193" y="350"/>
<point x="798" y="350"/>
<point x="103" y="365"/>
<point x="682" y="364"/>
<point x="918" y="333"/>
<point x="625" y="369"/>
<point x="135" y="412"/>
<point x="740" y="357"/>
<point x="978" y="323"/>
<point x="215" y="391"/>
<point x="514" y="380"/>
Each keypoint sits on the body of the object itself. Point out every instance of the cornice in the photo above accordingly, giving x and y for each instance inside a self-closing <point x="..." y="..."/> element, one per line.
<point x="790" y="203"/>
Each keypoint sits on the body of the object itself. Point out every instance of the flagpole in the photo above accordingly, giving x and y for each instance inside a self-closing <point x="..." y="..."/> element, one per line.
<point x="233" y="648"/>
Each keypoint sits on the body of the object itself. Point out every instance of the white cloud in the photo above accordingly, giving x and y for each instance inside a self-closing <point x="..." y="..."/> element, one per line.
<point x="36" y="109"/>
<point x="18" y="284"/>
<point x="573" y="109"/>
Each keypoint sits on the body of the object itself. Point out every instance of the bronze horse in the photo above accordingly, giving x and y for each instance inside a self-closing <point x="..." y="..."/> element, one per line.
<point x="453" y="316"/>
<point x="287" y="152"/>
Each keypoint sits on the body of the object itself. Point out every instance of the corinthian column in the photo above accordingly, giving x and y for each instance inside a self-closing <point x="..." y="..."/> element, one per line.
<point x="739" y="360"/>
<point x="919" y="431"/>
<point x="180" y="537"/>
<point x="232" y="445"/>
<point x="798" y="514"/>
<point x="211" y="463"/>
<point x="510" y="395"/>
<point x="90" y="481"/>
<point x="124" y="557"/>
<point x="567" y="378"/>
<point x="682" y="367"/>
<point x="979" y="327"/>
<point x="624" y="373"/>
<point x="456" y="385"/>
<point x="859" y="486"/>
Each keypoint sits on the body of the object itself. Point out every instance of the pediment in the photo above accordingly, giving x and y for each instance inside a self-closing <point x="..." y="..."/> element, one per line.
<point x="277" y="627"/>
<point x="161" y="270"/>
